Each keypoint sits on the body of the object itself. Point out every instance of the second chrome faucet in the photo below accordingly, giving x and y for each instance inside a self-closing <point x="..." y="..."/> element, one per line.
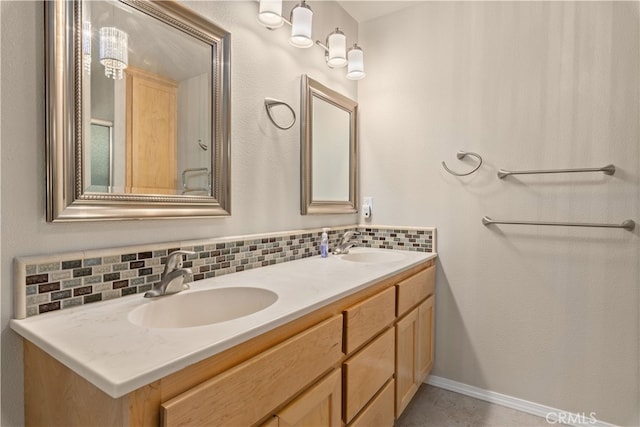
<point x="346" y="242"/>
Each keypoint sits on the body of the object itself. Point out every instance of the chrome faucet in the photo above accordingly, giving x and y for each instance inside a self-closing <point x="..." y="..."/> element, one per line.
<point x="345" y="242"/>
<point x="172" y="277"/>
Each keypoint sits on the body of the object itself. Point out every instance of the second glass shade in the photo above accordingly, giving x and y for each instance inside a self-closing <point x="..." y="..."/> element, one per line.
<point x="337" y="45"/>
<point x="301" y="26"/>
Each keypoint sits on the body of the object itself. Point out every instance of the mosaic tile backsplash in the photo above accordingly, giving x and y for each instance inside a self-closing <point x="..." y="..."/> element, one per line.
<point x="68" y="280"/>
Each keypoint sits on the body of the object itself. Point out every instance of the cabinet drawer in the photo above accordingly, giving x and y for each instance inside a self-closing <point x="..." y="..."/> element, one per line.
<point x="245" y="394"/>
<point x="379" y="413"/>
<point x="367" y="371"/>
<point x="364" y="320"/>
<point x="416" y="288"/>
<point x="319" y="406"/>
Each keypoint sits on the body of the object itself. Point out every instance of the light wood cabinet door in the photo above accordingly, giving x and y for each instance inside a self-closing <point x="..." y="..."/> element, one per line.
<point x="406" y="360"/>
<point x="320" y="406"/>
<point x="425" y="338"/>
<point x="414" y="351"/>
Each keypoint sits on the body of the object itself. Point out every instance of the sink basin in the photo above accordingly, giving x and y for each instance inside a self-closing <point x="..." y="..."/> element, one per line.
<point x="198" y="308"/>
<point x="372" y="256"/>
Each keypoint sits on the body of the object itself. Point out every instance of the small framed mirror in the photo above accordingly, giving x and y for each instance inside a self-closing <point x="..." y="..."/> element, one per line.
<point x="137" y="111"/>
<point x="329" y="147"/>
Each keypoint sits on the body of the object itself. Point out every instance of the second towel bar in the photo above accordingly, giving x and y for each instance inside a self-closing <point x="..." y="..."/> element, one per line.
<point x="628" y="224"/>
<point x="608" y="170"/>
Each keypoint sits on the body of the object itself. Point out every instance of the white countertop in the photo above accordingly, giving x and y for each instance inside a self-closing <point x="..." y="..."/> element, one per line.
<point x="100" y="343"/>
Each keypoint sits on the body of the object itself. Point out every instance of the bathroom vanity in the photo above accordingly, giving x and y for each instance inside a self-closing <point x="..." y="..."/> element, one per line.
<point x="347" y="342"/>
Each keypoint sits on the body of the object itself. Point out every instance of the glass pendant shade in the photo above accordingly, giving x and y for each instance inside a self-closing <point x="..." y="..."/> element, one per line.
<point x="270" y="14"/>
<point x="355" y="70"/>
<point x="337" y="44"/>
<point x="301" y="25"/>
<point x="114" y="54"/>
<point x="86" y="46"/>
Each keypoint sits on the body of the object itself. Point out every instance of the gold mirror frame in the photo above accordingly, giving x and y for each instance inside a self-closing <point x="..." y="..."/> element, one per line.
<point x="66" y="199"/>
<point x="310" y="89"/>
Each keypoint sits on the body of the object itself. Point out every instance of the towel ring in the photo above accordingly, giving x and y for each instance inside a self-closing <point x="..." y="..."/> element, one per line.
<point x="270" y="103"/>
<point x="461" y="155"/>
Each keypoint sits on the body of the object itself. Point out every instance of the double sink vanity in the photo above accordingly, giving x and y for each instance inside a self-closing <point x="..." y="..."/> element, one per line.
<point x="343" y="340"/>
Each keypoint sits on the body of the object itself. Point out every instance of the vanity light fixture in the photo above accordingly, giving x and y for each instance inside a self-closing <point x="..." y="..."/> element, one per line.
<point x="336" y="53"/>
<point x="114" y="54"/>
<point x="301" y="25"/>
<point x="270" y="14"/>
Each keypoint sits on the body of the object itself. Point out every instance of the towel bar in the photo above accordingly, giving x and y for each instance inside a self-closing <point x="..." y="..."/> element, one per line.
<point x="628" y="224"/>
<point x="608" y="170"/>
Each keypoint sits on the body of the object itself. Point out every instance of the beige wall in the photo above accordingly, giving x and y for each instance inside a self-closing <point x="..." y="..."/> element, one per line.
<point x="265" y="160"/>
<point x="549" y="315"/>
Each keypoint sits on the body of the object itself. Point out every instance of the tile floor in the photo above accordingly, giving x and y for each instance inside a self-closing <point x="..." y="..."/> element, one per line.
<point x="435" y="407"/>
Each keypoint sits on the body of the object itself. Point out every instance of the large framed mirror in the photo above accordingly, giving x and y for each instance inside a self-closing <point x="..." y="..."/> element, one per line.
<point x="329" y="147"/>
<point x="138" y="119"/>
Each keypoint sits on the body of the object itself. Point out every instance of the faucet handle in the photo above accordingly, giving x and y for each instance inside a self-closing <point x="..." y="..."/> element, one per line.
<point x="174" y="260"/>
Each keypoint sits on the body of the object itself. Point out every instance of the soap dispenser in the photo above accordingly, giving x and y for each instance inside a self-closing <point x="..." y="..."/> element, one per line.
<point x="324" y="243"/>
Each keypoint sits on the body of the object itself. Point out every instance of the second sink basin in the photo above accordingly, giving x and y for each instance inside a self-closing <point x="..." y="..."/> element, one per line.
<point x="199" y="308"/>
<point x="372" y="255"/>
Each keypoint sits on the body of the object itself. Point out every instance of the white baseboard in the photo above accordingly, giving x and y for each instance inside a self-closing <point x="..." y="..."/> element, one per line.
<point x="551" y="414"/>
